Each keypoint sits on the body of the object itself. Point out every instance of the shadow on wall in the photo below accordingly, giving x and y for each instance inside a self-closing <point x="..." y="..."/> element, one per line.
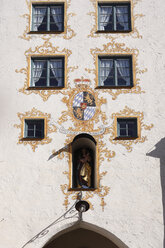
<point x="159" y="152"/>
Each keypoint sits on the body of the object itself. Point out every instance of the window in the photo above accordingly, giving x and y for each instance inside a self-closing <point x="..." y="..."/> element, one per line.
<point x="48" y="18"/>
<point x="47" y="72"/>
<point x="115" y="71"/>
<point x="127" y="127"/>
<point x="114" y="17"/>
<point x="34" y="128"/>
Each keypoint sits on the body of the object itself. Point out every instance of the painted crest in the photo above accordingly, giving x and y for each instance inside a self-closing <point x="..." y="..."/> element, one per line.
<point x="84" y="106"/>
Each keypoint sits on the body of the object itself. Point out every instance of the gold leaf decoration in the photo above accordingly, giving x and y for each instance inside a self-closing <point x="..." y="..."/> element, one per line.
<point x="68" y="31"/>
<point x="34" y="114"/>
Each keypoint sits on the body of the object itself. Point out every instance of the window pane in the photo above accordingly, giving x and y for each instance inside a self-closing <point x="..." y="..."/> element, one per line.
<point x="106" y="18"/>
<point x="38" y="134"/>
<point x="123" y="72"/>
<point x="123" y="124"/>
<point x="130" y="133"/>
<point x="30" y="133"/>
<point x="127" y="127"/>
<point x="38" y="125"/>
<point x="48" y="18"/>
<point x="122" y="18"/>
<point x="132" y="128"/>
<point x="30" y="126"/>
<point x="39" y="73"/>
<point x="115" y="71"/>
<point x="56" y="18"/>
<point x="123" y="132"/>
<point x="48" y="72"/>
<point x="106" y="72"/>
<point x="56" y="72"/>
<point x="114" y="18"/>
<point x="34" y="128"/>
<point x="40" y="19"/>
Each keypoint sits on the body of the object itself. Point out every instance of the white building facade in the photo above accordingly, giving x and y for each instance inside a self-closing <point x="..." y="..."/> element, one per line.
<point x="82" y="113"/>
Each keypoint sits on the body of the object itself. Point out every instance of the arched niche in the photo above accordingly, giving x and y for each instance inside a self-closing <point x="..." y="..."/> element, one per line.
<point x="84" y="165"/>
<point x="84" y="235"/>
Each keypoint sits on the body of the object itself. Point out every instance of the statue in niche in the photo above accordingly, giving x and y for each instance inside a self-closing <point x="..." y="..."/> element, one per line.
<point x="84" y="167"/>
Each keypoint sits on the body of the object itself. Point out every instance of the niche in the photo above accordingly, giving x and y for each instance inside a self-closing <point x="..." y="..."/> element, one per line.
<point x="84" y="162"/>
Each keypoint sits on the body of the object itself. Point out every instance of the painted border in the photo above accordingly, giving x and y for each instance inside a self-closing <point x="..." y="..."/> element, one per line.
<point x="96" y="176"/>
<point x="101" y="191"/>
<point x="128" y="142"/>
<point x="68" y="31"/>
<point x="134" y="33"/>
<point x="80" y="125"/>
<point x="35" y="114"/>
<point x="117" y="49"/>
<point x="29" y="87"/>
<point x="47" y="50"/>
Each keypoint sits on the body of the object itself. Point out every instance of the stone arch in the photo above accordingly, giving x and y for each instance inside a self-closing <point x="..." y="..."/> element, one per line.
<point x="84" y="235"/>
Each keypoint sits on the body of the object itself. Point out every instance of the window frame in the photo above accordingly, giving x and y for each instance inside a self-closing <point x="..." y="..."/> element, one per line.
<point x="115" y="57"/>
<point x="47" y="58"/>
<point x="48" y="6"/>
<point x="136" y="126"/>
<point x="25" y="129"/>
<point x="114" y="4"/>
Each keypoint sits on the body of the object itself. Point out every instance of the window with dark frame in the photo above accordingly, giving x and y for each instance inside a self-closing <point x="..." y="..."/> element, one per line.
<point x="127" y="128"/>
<point x="47" y="72"/>
<point x="115" y="71"/>
<point x="114" y="17"/>
<point x="48" y="18"/>
<point x="34" y="128"/>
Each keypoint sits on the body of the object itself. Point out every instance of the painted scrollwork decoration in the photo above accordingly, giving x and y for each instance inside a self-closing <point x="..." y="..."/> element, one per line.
<point x="35" y="114"/>
<point x="47" y="49"/>
<point x="117" y="49"/>
<point x="128" y="113"/>
<point x="101" y="191"/>
<point x="68" y="31"/>
<point x="84" y="108"/>
<point x="134" y="33"/>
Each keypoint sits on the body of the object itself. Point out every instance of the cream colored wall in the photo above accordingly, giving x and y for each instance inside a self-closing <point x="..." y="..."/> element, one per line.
<point x="30" y="192"/>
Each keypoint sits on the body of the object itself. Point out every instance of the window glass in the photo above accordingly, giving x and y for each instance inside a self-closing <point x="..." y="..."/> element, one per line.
<point x="115" y="71"/>
<point x="34" y="128"/>
<point x="48" y="18"/>
<point x="127" y="127"/>
<point x="114" y="17"/>
<point x="47" y="72"/>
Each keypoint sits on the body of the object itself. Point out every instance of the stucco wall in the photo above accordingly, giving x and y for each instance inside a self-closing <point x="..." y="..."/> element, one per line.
<point x="30" y="192"/>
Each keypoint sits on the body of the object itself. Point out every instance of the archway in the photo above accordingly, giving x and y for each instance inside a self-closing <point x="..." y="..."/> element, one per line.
<point x="85" y="235"/>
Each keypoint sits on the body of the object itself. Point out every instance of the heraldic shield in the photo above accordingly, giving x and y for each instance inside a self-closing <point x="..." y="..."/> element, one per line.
<point x="84" y="106"/>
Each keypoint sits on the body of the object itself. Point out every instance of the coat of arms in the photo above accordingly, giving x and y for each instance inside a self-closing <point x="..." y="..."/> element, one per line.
<point x="84" y="106"/>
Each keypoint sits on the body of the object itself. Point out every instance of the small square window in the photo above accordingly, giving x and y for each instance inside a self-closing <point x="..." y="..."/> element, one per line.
<point x="114" y="17"/>
<point x="115" y="71"/>
<point x="48" y="18"/>
<point x="47" y="72"/>
<point x="34" y="128"/>
<point x="127" y="128"/>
